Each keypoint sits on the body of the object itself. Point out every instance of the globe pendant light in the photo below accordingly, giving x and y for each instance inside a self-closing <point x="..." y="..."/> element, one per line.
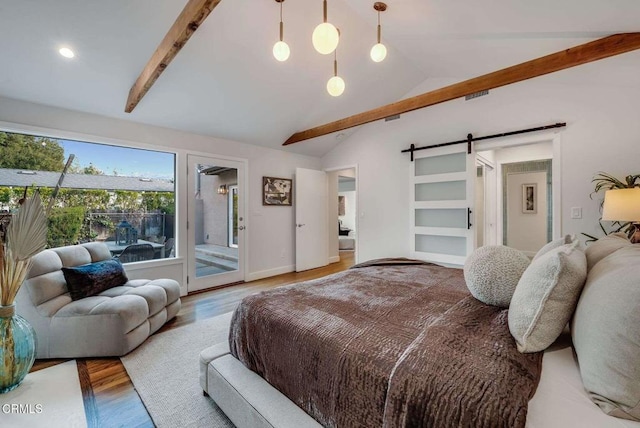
<point x="325" y="37"/>
<point x="281" y="49"/>
<point x="379" y="51"/>
<point x="335" y="85"/>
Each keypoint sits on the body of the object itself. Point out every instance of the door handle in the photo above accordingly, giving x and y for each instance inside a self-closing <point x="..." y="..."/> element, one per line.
<point x="241" y="228"/>
<point x="300" y="224"/>
<point x="469" y="218"/>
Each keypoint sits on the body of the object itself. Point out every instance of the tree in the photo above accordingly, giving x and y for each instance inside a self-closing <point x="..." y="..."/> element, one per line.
<point x="92" y="170"/>
<point x="65" y="225"/>
<point x="21" y="151"/>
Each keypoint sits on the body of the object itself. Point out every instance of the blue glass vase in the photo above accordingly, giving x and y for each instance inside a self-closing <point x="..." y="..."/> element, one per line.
<point x="17" y="348"/>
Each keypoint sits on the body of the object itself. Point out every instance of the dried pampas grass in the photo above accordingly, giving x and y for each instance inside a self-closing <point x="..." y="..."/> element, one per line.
<point x="26" y="236"/>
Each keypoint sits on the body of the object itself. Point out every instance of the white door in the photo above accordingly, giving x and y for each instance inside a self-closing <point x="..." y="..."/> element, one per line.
<point x="216" y="227"/>
<point x="312" y="234"/>
<point x="442" y="212"/>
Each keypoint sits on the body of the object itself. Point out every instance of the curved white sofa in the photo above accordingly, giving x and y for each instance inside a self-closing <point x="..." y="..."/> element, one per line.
<point x="112" y="323"/>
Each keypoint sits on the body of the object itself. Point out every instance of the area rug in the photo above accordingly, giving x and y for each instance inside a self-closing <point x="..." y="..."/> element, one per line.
<point x="165" y="370"/>
<point x="49" y="397"/>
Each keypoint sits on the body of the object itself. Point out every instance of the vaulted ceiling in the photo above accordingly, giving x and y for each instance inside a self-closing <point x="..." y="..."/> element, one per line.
<point x="226" y="83"/>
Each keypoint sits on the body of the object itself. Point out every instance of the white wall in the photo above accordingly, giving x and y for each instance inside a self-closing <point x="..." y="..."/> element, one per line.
<point x="523" y="153"/>
<point x="526" y="232"/>
<point x="270" y="230"/>
<point x="602" y="130"/>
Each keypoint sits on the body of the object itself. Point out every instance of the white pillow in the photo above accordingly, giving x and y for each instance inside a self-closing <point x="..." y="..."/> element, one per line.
<point x="601" y="248"/>
<point x="567" y="239"/>
<point x="546" y="297"/>
<point x="492" y="273"/>
<point x="606" y="333"/>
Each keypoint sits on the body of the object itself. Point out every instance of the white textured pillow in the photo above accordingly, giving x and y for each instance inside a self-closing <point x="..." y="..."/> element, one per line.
<point x="606" y="333"/>
<point x="492" y="273"/>
<point x="546" y="297"/>
<point x="567" y="239"/>
<point x="600" y="249"/>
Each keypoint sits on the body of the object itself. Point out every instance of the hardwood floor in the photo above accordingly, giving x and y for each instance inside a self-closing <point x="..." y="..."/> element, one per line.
<point x="110" y="399"/>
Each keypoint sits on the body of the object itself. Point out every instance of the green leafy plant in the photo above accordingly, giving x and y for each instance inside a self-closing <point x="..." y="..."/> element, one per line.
<point x="64" y="226"/>
<point x="605" y="181"/>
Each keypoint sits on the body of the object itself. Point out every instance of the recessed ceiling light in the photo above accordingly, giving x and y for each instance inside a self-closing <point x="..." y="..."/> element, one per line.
<point x="66" y="52"/>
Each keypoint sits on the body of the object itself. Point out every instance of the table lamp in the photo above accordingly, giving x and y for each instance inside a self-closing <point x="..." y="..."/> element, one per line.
<point x="623" y="205"/>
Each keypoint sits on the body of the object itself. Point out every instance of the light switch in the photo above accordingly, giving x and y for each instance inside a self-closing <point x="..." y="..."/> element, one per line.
<point x="576" y="212"/>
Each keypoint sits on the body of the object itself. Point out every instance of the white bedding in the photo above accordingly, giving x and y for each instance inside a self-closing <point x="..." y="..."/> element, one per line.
<point x="560" y="400"/>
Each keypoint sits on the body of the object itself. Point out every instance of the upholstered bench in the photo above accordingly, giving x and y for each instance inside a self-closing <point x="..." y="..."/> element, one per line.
<point x="246" y="398"/>
<point x="110" y="323"/>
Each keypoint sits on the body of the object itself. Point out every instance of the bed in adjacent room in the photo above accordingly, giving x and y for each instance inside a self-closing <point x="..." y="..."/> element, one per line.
<point x="346" y="243"/>
<point x="392" y="343"/>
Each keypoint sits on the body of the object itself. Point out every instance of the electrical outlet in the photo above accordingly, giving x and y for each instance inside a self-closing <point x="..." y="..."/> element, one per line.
<point x="576" y="212"/>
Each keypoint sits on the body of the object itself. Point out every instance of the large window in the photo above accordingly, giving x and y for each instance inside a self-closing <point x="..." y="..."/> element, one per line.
<point x="122" y="196"/>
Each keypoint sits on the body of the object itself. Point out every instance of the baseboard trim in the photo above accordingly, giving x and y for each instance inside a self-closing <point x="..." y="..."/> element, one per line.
<point x="334" y="259"/>
<point x="254" y="276"/>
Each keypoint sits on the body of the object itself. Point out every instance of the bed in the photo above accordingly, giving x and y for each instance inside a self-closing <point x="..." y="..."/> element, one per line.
<point x="391" y="343"/>
<point x="346" y="243"/>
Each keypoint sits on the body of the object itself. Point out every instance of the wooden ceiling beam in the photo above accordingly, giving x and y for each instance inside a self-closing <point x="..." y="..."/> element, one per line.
<point x="593" y="51"/>
<point x="191" y="17"/>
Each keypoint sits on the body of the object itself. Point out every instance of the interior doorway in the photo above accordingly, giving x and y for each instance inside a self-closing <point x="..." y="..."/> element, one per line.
<point x="343" y="212"/>
<point x="527" y="207"/>
<point x="523" y="215"/>
<point x="347" y="227"/>
<point x="216" y="222"/>
<point x="485" y="201"/>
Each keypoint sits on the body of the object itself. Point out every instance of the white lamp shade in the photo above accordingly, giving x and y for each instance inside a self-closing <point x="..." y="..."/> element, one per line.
<point x="325" y="38"/>
<point x="621" y="205"/>
<point x="335" y="86"/>
<point x="281" y="51"/>
<point x="378" y="52"/>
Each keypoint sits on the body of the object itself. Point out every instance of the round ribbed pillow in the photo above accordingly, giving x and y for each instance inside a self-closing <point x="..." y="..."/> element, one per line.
<point x="492" y="273"/>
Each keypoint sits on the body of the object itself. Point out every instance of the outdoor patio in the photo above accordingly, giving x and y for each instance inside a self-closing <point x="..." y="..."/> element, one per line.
<point x="213" y="259"/>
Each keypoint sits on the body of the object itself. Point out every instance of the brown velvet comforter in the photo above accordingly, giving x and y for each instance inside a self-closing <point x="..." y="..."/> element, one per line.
<point x="387" y="345"/>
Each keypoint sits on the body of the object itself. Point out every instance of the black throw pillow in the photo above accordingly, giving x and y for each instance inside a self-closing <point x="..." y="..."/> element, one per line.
<point x="93" y="278"/>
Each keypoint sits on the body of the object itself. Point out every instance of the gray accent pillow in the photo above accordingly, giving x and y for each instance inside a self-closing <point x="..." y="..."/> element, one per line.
<point x="601" y="248"/>
<point x="546" y="297"/>
<point x="567" y="239"/>
<point x="606" y="333"/>
<point x="492" y="273"/>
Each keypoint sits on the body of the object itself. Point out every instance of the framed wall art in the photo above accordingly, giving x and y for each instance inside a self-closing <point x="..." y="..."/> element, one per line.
<point x="529" y="198"/>
<point x="277" y="191"/>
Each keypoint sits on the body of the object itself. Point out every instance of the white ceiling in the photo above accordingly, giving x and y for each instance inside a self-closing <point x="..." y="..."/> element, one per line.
<point x="225" y="82"/>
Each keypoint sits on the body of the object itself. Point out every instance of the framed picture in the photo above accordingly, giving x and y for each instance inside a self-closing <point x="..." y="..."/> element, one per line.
<point x="530" y="198"/>
<point x="341" y="205"/>
<point x="277" y="191"/>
